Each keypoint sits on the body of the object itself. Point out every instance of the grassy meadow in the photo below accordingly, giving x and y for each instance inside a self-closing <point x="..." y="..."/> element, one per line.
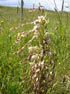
<point x="12" y="66"/>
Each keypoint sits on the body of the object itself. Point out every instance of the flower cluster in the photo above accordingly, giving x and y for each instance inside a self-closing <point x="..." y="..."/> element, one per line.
<point x="41" y="59"/>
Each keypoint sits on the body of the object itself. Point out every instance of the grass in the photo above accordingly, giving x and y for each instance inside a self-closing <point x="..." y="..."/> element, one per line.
<point x="11" y="66"/>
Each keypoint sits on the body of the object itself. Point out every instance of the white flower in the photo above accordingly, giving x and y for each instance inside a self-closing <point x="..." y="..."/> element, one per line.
<point x="42" y="63"/>
<point x="50" y="53"/>
<point x="31" y="63"/>
<point x="34" y="57"/>
<point x="40" y="20"/>
<point x="30" y="49"/>
<point x="37" y="70"/>
<point x="11" y="29"/>
<point x="50" y="73"/>
<point x="33" y="48"/>
<point x="36" y="22"/>
<point x="35" y="66"/>
<point x="36" y="27"/>
<point x="36" y="34"/>
<point x="39" y="64"/>
<point x="22" y="36"/>
<point x="34" y="76"/>
<point x="36" y="79"/>
<point x="40" y="17"/>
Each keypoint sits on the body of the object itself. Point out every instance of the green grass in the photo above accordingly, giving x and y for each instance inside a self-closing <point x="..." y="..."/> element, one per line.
<point x="11" y="66"/>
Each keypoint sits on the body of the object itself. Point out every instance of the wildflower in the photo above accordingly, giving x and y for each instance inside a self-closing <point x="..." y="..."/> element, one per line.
<point x="22" y="36"/>
<point x="39" y="64"/>
<point x="37" y="70"/>
<point x="50" y="73"/>
<point x="42" y="64"/>
<point x="43" y="18"/>
<point x="36" y="27"/>
<point x="31" y="63"/>
<point x="36" y="22"/>
<point x="35" y="65"/>
<point x="50" y="53"/>
<point x="33" y="48"/>
<point x="40" y="17"/>
<point x="34" y="76"/>
<point x="11" y="29"/>
<point x="34" y="57"/>
<point x="30" y="49"/>
<point x="39" y="20"/>
<point x="36" y="79"/>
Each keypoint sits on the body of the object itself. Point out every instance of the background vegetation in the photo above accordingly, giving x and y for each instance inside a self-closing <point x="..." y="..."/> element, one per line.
<point x="12" y="69"/>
